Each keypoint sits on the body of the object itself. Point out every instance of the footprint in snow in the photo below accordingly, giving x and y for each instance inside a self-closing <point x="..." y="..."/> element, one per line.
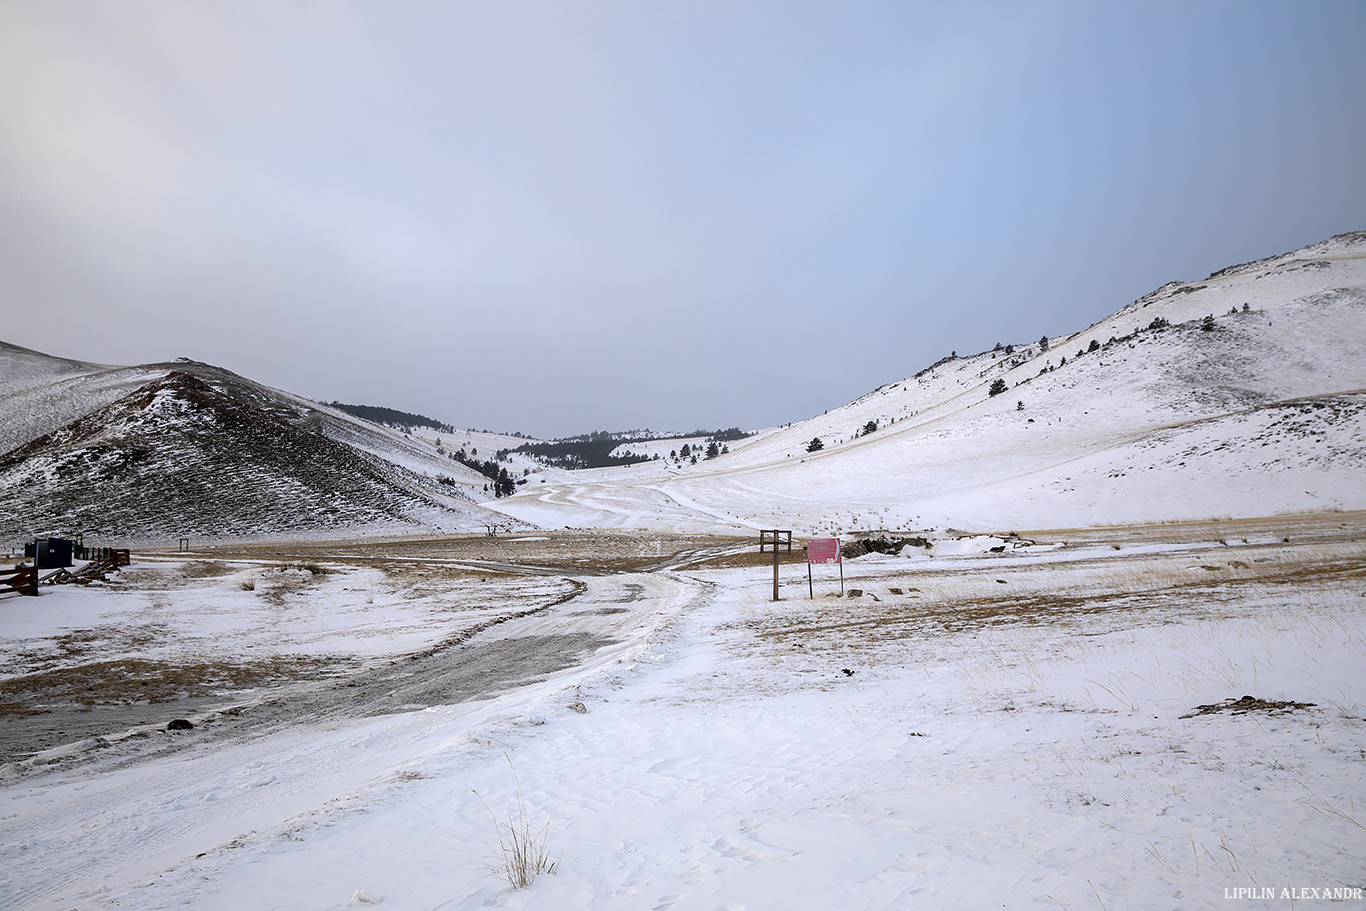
<point x="729" y="847"/>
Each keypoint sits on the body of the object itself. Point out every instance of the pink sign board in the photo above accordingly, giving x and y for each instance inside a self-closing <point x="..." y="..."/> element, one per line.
<point x="823" y="550"/>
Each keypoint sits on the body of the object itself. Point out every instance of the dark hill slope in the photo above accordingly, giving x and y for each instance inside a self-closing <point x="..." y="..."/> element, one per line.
<point x="179" y="457"/>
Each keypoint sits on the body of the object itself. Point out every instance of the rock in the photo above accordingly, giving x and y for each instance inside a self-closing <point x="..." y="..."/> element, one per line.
<point x="855" y="593"/>
<point x="579" y="707"/>
<point x="180" y="724"/>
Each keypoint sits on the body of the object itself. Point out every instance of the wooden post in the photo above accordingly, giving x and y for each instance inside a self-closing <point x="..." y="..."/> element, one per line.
<point x="775" y="571"/>
<point x="776" y="538"/>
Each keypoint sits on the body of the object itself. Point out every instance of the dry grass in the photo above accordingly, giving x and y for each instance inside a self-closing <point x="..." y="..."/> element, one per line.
<point x="205" y="569"/>
<point x="935" y="599"/>
<point x="523" y="854"/>
<point x="1306" y="528"/>
<point x="565" y="551"/>
<point x="139" y="680"/>
<point x="750" y="558"/>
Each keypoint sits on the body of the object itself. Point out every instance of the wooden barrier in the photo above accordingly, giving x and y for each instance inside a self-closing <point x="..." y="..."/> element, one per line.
<point x="95" y="570"/>
<point x="120" y="556"/>
<point x="22" y="580"/>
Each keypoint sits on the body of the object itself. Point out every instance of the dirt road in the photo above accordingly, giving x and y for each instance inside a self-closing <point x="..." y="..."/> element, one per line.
<point x="524" y="641"/>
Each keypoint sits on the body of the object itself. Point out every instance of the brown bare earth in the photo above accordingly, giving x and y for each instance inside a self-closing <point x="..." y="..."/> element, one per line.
<point x="591" y="552"/>
<point x="1245" y="704"/>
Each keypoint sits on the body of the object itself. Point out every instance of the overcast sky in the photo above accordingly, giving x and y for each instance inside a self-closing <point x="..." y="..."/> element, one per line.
<point x="561" y="216"/>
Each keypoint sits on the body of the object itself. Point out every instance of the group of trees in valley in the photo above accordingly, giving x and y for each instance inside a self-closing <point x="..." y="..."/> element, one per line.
<point x="589" y="450"/>
<point x="603" y="448"/>
<point x="502" y="483"/>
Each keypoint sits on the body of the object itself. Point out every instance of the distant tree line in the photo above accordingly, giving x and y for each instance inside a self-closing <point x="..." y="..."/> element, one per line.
<point x="391" y="417"/>
<point x="503" y="483"/>
<point x="595" y="449"/>
<point x="720" y="436"/>
<point x="590" y="450"/>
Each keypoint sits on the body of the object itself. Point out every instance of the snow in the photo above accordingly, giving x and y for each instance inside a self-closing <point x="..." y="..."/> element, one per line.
<point x="947" y="746"/>
<point x="1159" y="706"/>
<point x="235" y="609"/>
<point x="1263" y="415"/>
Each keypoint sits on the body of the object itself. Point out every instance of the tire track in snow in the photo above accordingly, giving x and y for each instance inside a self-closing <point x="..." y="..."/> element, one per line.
<point x="68" y="834"/>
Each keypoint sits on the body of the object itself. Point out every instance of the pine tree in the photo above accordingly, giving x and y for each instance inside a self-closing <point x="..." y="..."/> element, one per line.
<point x="816" y="445"/>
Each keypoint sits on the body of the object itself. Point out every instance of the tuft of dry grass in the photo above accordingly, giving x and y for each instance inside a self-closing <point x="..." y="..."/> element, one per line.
<point x="522" y="850"/>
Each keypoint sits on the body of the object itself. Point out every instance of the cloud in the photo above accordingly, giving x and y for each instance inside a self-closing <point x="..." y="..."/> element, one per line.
<point x="644" y="209"/>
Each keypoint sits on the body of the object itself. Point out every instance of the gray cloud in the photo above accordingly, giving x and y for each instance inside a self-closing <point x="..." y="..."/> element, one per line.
<point x="556" y="217"/>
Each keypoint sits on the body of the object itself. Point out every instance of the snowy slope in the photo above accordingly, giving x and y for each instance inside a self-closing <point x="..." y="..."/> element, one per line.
<point x="41" y="393"/>
<point x="1258" y="412"/>
<point x="161" y="451"/>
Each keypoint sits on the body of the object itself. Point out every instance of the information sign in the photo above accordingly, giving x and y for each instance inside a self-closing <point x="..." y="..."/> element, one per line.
<point x="823" y="550"/>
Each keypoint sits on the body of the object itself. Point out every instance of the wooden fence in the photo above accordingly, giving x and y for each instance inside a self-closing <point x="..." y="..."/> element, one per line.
<point x="21" y="580"/>
<point x="119" y="555"/>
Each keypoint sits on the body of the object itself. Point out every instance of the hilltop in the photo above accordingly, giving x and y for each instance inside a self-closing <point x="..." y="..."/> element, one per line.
<point x="161" y="451"/>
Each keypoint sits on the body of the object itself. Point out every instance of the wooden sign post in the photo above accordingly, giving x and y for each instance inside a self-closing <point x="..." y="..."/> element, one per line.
<point x="822" y="550"/>
<point x="776" y="538"/>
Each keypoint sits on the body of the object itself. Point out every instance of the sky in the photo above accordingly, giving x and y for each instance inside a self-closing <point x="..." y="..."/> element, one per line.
<point x="554" y="217"/>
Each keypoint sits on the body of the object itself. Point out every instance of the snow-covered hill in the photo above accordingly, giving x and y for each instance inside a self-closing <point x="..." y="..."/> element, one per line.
<point x="1243" y="394"/>
<point x="161" y="451"/>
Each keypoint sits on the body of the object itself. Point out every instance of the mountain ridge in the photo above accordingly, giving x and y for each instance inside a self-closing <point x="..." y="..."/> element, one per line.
<point x="1124" y="401"/>
<point x="1238" y="394"/>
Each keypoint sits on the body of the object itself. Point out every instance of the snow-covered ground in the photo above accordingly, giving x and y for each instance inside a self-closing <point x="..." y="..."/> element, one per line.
<point x="1133" y="713"/>
<point x="1015" y="730"/>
